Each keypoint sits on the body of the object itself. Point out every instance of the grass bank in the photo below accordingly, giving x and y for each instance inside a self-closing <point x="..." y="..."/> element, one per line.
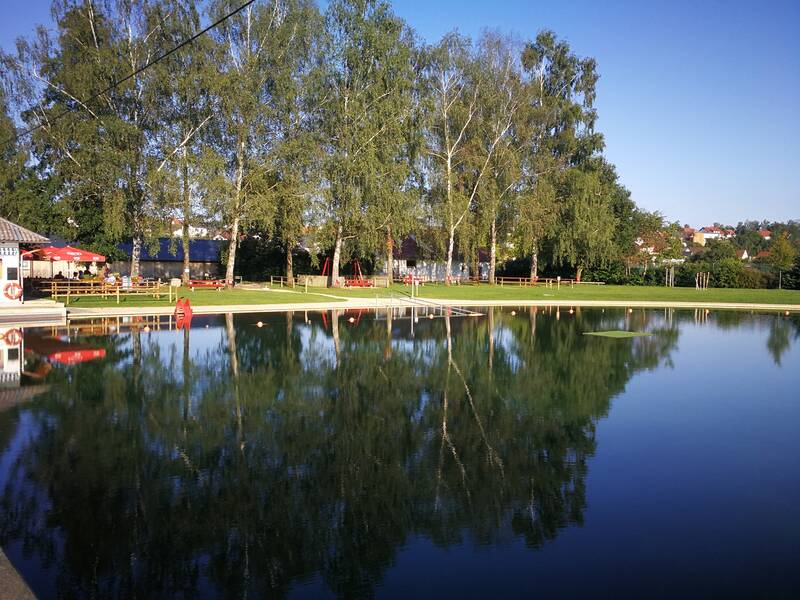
<point x="457" y="293"/>
<point x="586" y="292"/>
<point x="199" y="297"/>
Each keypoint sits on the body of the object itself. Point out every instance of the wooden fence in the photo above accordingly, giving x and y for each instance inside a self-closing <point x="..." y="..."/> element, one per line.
<point x="71" y="289"/>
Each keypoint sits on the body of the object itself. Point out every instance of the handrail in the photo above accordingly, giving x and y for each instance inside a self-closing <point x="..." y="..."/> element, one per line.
<point x="460" y="312"/>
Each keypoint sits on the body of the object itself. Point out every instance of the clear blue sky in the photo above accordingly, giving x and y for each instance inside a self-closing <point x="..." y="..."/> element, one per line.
<point x="699" y="101"/>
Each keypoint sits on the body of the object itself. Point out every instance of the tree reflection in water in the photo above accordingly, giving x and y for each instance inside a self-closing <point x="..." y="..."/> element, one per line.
<point x="279" y="453"/>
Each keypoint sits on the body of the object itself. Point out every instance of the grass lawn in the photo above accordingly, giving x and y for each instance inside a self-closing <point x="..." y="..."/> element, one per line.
<point x="481" y="292"/>
<point x="585" y="292"/>
<point x="199" y="298"/>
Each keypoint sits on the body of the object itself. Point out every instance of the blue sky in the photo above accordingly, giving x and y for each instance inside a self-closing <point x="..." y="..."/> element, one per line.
<point x="699" y="102"/>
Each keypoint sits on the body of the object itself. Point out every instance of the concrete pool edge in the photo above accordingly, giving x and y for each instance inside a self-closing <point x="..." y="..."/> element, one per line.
<point x="11" y="582"/>
<point x="384" y="303"/>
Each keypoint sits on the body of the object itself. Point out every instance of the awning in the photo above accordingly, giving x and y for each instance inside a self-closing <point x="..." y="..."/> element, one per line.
<point x="67" y="253"/>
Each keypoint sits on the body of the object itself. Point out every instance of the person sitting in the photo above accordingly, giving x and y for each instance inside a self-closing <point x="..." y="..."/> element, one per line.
<point x="59" y="275"/>
<point x="80" y="273"/>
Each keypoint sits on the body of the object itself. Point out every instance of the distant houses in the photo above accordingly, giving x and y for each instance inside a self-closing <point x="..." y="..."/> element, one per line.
<point x="194" y="232"/>
<point x="704" y="234"/>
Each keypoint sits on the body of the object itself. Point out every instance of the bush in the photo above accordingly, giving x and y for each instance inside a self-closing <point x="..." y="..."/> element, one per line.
<point x="727" y="273"/>
<point x="751" y="278"/>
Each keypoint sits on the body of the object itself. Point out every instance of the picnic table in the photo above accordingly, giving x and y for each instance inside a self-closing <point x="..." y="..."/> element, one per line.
<point x="217" y="284"/>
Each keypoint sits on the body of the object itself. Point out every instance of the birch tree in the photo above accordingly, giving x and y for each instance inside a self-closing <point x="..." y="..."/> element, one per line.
<point x="96" y="144"/>
<point x="495" y="144"/>
<point x="186" y="108"/>
<point x="365" y="87"/>
<point x="252" y="46"/>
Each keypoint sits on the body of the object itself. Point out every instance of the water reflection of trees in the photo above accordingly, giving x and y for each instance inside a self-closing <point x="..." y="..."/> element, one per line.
<point x="272" y="459"/>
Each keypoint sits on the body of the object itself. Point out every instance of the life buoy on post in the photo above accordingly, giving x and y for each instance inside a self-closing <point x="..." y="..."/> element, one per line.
<point x="12" y="337"/>
<point x="12" y="290"/>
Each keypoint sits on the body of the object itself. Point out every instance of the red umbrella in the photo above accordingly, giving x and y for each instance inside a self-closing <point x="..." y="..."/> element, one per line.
<point x="67" y="253"/>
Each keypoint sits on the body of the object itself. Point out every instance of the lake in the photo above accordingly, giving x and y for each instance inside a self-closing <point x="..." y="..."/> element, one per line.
<point x="405" y="454"/>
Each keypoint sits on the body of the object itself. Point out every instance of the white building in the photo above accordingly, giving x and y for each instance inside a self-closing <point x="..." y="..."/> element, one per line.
<point x="11" y="236"/>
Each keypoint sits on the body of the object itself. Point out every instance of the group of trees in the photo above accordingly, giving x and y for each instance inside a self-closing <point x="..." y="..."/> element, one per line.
<point x="340" y="127"/>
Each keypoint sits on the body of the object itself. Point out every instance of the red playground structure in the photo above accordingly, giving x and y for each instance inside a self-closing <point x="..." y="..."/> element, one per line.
<point x="357" y="280"/>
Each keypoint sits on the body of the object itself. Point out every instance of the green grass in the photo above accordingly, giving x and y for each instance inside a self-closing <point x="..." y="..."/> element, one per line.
<point x="199" y="298"/>
<point x="585" y="292"/>
<point x="617" y="334"/>
<point x="457" y="293"/>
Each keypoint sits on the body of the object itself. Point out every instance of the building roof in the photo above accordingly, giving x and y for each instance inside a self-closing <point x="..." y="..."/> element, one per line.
<point x="765" y="233"/>
<point x="199" y="250"/>
<point x="11" y="232"/>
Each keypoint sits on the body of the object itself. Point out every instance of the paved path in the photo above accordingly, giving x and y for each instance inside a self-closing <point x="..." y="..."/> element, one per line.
<point x="12" y="586"/>
<point x="384" y="303"/>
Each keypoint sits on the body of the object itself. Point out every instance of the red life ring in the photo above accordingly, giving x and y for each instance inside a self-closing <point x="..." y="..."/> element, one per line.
<point x="12" y="290"/>
<point x="13" y="337"/>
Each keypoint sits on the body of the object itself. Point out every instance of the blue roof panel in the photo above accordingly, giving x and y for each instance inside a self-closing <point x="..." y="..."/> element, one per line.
<point x="199" y="250"/>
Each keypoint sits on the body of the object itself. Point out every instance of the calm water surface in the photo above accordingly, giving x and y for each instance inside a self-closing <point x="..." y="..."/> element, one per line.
<point x="363" y="454"/>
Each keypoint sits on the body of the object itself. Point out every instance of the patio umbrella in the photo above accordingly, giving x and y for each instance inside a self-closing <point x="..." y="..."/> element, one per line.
<point x="73" y="357"/>
<point x="67" y="253"/>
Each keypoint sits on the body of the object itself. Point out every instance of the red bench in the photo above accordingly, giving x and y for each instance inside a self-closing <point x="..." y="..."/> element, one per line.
<point x="217" y="284"/>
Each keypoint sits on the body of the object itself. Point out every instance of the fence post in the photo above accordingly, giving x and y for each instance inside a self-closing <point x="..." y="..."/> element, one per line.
<point x="117" y="288"/>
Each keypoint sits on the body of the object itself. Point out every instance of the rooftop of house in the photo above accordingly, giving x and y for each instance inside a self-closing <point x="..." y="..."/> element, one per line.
<point x="11" y="232"/>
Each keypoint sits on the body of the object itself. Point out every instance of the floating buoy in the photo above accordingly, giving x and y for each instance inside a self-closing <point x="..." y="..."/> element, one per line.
<point x="147" y="328"/>
<point x="351" y="320"/>
<point x="513" y="313"/>
<point x="430" y="316"/>
<point x="259" y="324"/>
<point x="571" y="311"/>
<point x="630" y="310"/>
<point x="786" y="313"/>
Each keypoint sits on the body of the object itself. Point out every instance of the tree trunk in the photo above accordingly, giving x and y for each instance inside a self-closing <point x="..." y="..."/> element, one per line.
<point x="389" y="254"/>
<point x="534" y="263"/>
<point x="335" y="334"/>
<point x="490" y="331"/>
<point x="289" y="264"/>
<point x="187" y="388"/>
<point x="337" y="252"/>
<point x="449" y="265"/>
<point x="136" y="255"/>
<point x="780" y="279"/>
<point x="493" y="251"/>
<point x="234" y="242"/>
<point x="187" y="210"/>
<point x="237" y="210"/>
<point x="579" y="273"/>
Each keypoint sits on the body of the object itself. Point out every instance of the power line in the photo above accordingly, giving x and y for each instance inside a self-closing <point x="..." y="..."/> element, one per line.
<point x="137" y="71"/>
